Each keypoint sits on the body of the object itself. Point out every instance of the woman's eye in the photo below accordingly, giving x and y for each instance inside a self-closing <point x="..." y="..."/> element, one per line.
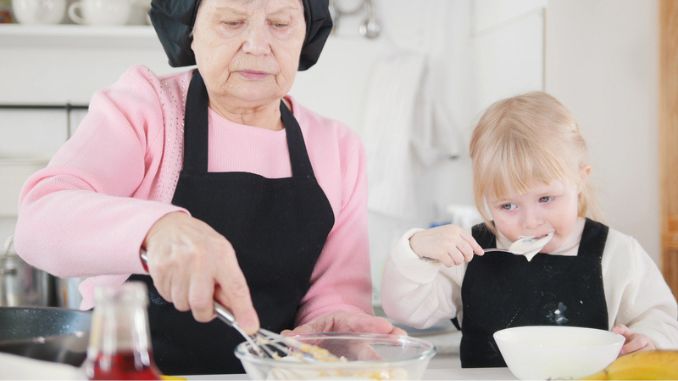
<point x="233" y="23"/>
<point x="545" y="199"/>
<point x="280" y="25"/>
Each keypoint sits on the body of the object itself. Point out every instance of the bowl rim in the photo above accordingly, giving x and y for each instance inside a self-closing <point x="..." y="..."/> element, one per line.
<point x="430" y="351"/>
<point x="615" y="338"/>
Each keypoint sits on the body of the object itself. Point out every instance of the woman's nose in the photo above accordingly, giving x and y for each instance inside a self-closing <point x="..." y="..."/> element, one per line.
<point x="257" y="40"/>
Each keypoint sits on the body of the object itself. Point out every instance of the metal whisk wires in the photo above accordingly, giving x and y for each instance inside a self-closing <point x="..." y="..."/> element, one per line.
<point x="267" y="344"/>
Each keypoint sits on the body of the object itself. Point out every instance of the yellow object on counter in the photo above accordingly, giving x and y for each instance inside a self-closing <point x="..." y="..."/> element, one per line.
<point x="165" y="377"/>
<point x="647" y="365"/>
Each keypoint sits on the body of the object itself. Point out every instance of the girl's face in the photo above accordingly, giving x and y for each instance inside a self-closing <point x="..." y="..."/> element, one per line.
<point x="248" y="50"/>
<point x="543" y="209"/>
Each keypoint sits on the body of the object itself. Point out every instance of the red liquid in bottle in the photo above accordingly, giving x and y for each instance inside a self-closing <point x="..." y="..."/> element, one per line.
<point x="120" y="346"/>
<point x="123" y="366"/>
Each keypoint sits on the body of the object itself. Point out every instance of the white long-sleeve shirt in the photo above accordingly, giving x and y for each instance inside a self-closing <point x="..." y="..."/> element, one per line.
<point x="421" y="293"/>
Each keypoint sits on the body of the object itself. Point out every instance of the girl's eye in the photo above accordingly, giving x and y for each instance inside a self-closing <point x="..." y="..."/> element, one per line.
<point x="508" y="206"/>
<point x="545" y="199"/>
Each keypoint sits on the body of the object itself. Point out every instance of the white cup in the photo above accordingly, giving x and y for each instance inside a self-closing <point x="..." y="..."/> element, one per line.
<point x="100" y="12"/>
<point x="39" y="11"/>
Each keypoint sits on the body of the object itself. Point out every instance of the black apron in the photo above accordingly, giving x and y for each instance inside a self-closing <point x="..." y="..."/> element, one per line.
<point x="277" y="227"/>
<point x="502" y="290"/>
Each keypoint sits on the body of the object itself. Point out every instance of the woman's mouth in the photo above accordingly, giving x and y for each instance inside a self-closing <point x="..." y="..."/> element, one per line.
<point x="253" y="74"/>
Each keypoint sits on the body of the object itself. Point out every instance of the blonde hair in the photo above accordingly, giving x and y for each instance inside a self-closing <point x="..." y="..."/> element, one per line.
<point x="524" y="141"/>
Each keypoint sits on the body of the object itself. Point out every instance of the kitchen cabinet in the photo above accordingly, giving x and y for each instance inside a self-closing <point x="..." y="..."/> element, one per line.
<point x="47" y="72"/>
<point x="668" y="139"/>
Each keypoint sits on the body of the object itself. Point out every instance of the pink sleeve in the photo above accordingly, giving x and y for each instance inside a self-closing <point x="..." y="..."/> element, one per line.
<point x="341" y="278"/>
<point x="87" y="212"/>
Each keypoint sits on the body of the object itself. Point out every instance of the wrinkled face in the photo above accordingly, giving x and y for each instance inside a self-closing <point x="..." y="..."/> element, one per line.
<point x="543" y="209"/>
<point x="248" y="50"/>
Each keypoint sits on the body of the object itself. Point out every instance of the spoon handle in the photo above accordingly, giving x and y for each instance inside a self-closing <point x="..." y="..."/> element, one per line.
<point x="495" y="249"/>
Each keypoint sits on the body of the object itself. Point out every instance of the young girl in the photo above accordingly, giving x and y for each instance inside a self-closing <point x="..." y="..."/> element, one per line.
<point x="530" y="179"/>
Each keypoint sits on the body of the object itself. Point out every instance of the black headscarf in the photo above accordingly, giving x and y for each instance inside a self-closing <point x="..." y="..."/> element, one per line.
<point x="173" y="21"/>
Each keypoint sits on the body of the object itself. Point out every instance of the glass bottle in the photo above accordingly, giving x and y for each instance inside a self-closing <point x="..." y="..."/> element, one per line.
<point x="120" y="345"/>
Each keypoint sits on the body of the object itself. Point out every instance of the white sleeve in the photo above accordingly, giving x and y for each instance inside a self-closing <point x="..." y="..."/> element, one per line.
<point x="417" y="292"/>
<point x="636" y="293"/>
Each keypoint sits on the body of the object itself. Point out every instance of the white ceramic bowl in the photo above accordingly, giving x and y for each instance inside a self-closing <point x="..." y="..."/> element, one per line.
<point x="367" y="357"/>
<point x="557" y="352"/>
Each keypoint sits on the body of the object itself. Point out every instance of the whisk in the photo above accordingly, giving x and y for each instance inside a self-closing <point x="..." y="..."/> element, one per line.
<point x="267" y="344"/>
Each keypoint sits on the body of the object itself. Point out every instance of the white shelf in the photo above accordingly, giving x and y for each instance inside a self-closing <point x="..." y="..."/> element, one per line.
<point x="77" y="36"/>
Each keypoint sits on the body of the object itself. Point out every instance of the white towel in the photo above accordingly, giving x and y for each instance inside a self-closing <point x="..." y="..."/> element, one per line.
<point x="24" y="368"/>
<point x="405" y="129"/>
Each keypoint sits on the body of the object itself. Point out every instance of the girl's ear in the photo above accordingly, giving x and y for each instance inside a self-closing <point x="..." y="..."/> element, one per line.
<point x="584" y="173"/>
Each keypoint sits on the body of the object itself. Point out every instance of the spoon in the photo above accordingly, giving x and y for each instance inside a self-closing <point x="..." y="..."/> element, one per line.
<point x="527" y="246"/>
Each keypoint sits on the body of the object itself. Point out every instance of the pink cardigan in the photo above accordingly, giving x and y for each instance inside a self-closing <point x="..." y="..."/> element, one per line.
<point x="87" y="213"/>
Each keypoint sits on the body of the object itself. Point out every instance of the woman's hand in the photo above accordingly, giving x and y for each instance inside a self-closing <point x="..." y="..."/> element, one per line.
<point x="191" y="265"/>
<point x="634" y="341"/>
<point x="447" y="244"/>
<point x="344" y="321"/>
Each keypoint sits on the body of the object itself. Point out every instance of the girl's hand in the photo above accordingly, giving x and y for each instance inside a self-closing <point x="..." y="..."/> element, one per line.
<point x="344" y="321"/>
<point x="447" y="244"/>
<point x="191" y="265"/>
<point x="634" y="341"/>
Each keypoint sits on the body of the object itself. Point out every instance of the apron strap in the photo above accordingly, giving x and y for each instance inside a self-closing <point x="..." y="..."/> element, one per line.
<point x="195" y="126"/>
<point x="483" y="236"/>
<point x="299" y="161"/>
<point x="196" y="133"/>
<point x="593" y="239"/>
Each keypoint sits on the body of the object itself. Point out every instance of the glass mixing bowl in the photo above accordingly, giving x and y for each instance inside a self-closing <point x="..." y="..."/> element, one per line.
<point x="362" y="356"/>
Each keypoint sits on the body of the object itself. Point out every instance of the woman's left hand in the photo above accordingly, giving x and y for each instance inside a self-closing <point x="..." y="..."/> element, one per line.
<point x="634" y="341"/>
<point x="344" y="321"/>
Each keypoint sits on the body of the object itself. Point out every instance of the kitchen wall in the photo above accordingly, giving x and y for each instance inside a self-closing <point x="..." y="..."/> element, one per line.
<point x="598" y="56"/>
<point x="476" y="52"/>
<point x="602" y="62"/>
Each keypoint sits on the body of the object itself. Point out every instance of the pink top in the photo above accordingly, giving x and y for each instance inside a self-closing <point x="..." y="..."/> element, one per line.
<point x="87" y="213"/>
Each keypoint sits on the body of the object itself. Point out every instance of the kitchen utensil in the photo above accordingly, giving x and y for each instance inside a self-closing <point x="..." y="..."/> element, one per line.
<point x="525" y="245"/>
<point x="20" y="283"/>
<point x="363" y="357"/>
<point x="267" y="344"/>
<point x="67" y="292"/>
<point x="45" y="333"/>
<point x="557" y="352"/>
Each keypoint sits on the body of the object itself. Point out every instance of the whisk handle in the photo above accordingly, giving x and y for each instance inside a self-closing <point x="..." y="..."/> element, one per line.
<point x="222" y="312"/>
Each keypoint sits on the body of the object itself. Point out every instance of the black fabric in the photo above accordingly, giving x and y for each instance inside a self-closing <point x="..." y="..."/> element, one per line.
<point x="277" y="227"/>
<point x="502" y="290"/>
<point x="173" y="21"/>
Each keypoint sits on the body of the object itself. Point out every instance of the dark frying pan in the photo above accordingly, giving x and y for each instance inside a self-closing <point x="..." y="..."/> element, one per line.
<point x="45" y="333"/>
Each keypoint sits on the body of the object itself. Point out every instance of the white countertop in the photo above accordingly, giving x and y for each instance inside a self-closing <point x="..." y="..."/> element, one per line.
<point x="440" y="368"/>
<point x="431" y="374"/>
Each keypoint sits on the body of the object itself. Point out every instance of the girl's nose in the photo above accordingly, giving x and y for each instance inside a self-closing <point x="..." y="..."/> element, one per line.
<point x="532" y="219"/>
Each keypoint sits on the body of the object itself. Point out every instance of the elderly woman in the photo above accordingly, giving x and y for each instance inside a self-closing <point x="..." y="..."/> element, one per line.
<point x="236" y="192"/>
